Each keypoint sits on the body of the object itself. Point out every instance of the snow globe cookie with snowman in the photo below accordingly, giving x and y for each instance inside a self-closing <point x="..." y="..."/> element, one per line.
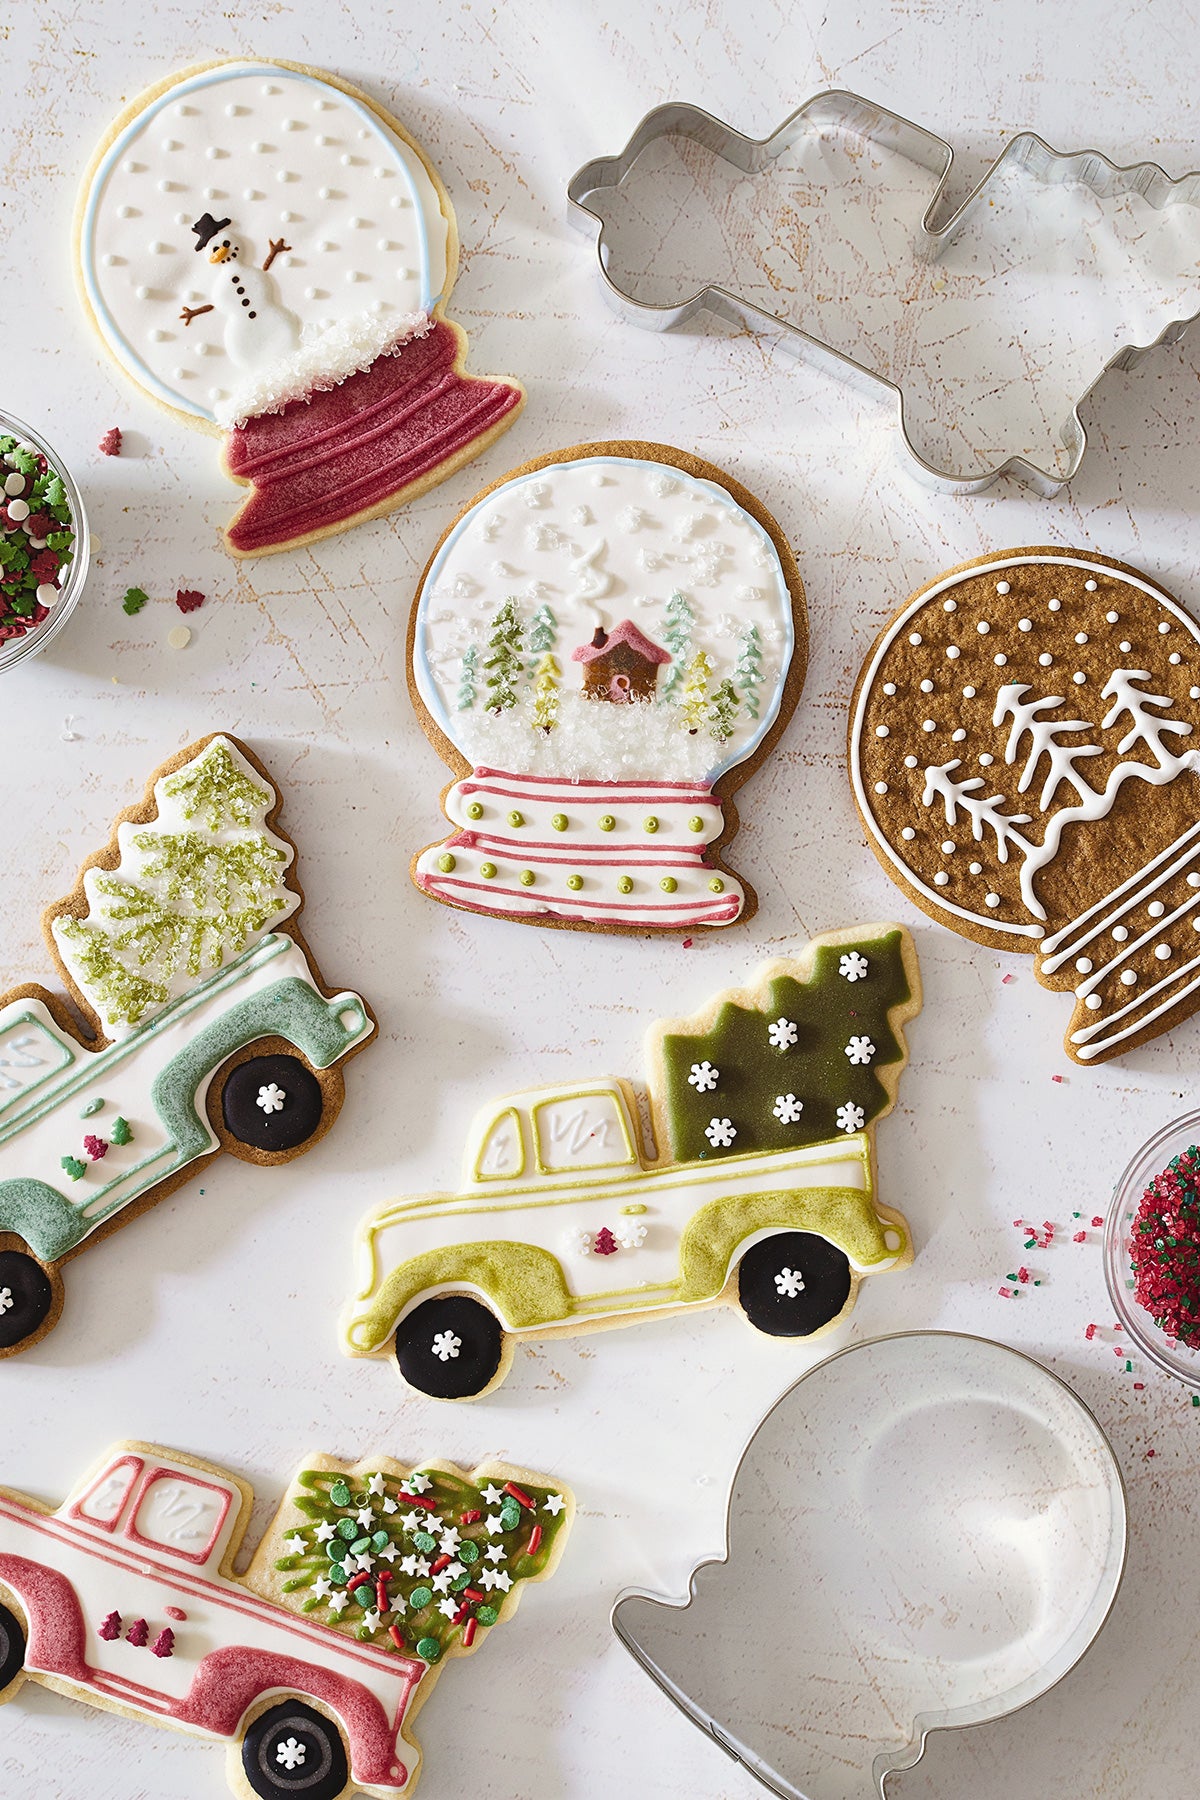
<point x="264" y="250"/>
<point x="604" y="645"/>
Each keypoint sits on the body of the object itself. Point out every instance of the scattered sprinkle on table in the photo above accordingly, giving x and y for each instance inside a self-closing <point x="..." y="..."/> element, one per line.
<point x="179" y="637"/>
<point x="110" y="443"/>
<point x="188" y="599"/>
<point x="135" y="599"/>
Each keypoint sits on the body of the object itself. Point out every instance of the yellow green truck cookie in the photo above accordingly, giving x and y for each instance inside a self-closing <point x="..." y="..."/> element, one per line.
<point x="763" y="1194"/>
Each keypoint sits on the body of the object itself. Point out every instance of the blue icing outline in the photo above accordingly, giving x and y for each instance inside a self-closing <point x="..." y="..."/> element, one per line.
<point x="427" y="686"/>
<point x="115" y="342"/>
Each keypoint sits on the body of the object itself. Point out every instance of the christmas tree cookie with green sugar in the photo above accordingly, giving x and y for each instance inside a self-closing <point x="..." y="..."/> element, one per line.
<point x="604" y="646"/>
<point x="210" y="1027"/>
<point x="761" y="1192"/>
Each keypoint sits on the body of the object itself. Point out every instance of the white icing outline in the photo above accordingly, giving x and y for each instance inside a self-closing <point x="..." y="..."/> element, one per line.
<point x="1062" y="951"/>
<point x="115" y="341"/>
<point x="909" y="876"/>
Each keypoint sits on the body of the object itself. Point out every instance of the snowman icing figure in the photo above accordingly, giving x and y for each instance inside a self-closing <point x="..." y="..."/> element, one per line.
<point x="258" y="329"/>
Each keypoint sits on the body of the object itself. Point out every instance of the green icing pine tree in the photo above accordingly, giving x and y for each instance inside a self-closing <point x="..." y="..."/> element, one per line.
<point x="543" y="631"/>
<point x="748" y="670"/>
<point x="467" y="679"/>
<point x="815" y="1062"/>
<point x="190" y="891"/>
<point x="505" y="665"/>
<point x="545" y="693"/>
<point x="723" y="710"/>
<point x="678" y="636"/>
<point x="693" y="701"/>
<point x="413" y="1564"/>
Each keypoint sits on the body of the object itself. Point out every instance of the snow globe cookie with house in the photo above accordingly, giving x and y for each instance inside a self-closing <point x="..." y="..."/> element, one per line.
<point x="266" y="251"/>
<point x="604" y="646"/>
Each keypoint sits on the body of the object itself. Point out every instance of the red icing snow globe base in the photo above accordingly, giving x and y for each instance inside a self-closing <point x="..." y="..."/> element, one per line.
<point x="594" y="852"/>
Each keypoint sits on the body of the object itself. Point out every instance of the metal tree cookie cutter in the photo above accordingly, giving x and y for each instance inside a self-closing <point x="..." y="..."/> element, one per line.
<point x="1078" y="181"/>
<point x="926" y="1531"/>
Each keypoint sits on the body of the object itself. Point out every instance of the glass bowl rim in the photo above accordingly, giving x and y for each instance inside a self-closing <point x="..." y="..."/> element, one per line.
<point x="1150" y="1340"/>
<point x="18" y="650"/>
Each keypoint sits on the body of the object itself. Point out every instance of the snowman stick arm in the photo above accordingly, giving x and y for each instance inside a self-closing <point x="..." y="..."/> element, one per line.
<point x="275" y="247"/>
<point x="193" y="312"/>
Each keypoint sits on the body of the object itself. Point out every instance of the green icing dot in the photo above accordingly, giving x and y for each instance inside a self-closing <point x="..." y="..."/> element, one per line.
<point x="487" y="1615"/>
<point x="428" y="1649"/>
<point x="447" y="863"/>
<point x="668" y="884"/>
<point x="559" y="821"/>
<point x="487" y="870"/>
<point x="650" y="824"/>
<point x="347" y="1528"/>
<point x="516" y="819"/>
<point x="625" y="885"/>
<point x="420" y="1597"/>
<point x="574" y="882"/>
<point x="425" y="1542"/>
<point x="475" y="810"/>
<point x="716" y="885"/>
<point x="695" y="823"/>
<point x="339" y="1493"/>
<point x="468" y="1552"/>
<point x="93" y="1106"/>
<point x="527" y="877"/>
<point x="607" y="823"/>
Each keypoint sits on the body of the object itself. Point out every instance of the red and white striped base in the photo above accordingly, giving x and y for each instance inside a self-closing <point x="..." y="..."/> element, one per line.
<point x="602" y="852"/>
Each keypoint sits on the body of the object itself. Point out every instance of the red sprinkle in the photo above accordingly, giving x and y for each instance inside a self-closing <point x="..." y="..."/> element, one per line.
<point x="397" y="1636"/>
<point x="519" y="1494"/>
<point x="188" y="599"/>
<point x="473" y="1595"/>
<point x="1090" y="1333"/>
<point x="423" y="1501"/>
<point x="1150" y="1453"/>
<point x="464" y="1612"/>
<point x="535" y="1541"/>
<point x="468" y="1636"/>
<point x="1097" y="1220"/>
<point x="381" y="1590"/>
<point x="1022" y="1273"/>
<point x="442" y="1562"/>
<point x="687" y="943"/>
<point x="1080" y="1237"/>
<point x="356" y="1581"/>
<point x="469" y="1518"/>
<point x="1057" y="1078"/>
<point x="1006" y="1293"/>
<point x="110" y="443"/>
<point x="96" y="1147"/>
<point x="1138" y="1386"/>
<point x="1007" y="979"/>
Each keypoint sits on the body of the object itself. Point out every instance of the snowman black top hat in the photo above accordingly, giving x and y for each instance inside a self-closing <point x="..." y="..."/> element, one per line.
<point x="207" y="227"/>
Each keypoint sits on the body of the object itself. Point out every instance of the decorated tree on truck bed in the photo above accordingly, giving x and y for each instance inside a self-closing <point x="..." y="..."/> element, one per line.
<point x="414" y="1563"/>
<point x="812" y="1054"/>
<point x="193" y="887"/>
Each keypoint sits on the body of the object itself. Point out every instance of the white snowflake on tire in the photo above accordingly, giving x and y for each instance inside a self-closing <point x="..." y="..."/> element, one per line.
<point x="291" y="1753"/>
<point x="782" y="1033"/>
<point x="271" y="1098"/>
<point x="789" y="1282"/>
<point x="446" y="1346"/>
<point x="720" y="1133"/>
<point x="703" y="1077"/>
<point x="6" y="1301"/>
<point x="860" y="1050"/>
<point x="850" y="1117"/>
<point x="852" y="966"/>
<point x="630" y="1234"/>
<point x="787" y="1109"/>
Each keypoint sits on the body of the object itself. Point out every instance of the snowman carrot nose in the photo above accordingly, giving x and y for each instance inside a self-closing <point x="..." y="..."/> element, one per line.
<point x="220" y="253"/>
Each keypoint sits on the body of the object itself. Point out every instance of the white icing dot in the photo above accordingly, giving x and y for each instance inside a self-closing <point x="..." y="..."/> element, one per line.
<point x="927" y="687"/>
<point x="941" y="878"/>
<point x="1045" y="659"/>
<point x="1112" y="617"/>
<point x="881" y="731"/>
<point x="261" y="149"/>
<point x="949" y="605"/>
<point x="1196" y="924"/>
<point x="908" y="834"/>
<point x="234" y="112"/>
<point x="1174" y="657"/>
<point x="1090" y="586"/>
<point x="948" y="848"/>
<point x="1120" y="933"/>
<point x="1084" y="965"/>
<point x="1079" y="678"/>
<point x="914" y="637"/>
<point x="215" y="152"/>
<point x="133" y="168"/>
<point x="159" y="335"/>
<point x="251" y="194"/>
<point x="1194" y="693"/>
<point x="270" y="87"/>
<point x="991" y="899"/>
<point x="1128" y="977"/>
<point x="325" y="193"/>
<point x="1162" y="951"/>
<point x="1093" y="1002"/>
<point x="953" y="652"/>
<point x="1002" y="587"/>
<point x="889" y="687"/>
<point x="1000" y="660"/>
<point x="312" y="293"/>
<point x="286" y="175"/>
<point x="986" y="760"/>
<point x="968" y="693"/>
<point x="976" y="868"/>
<point x="1081" y="637"/>
<point x="1193" y="880"/>
<point x="127" y="212"/>
<point x="171" y="144"/>
<point x="1126" y="647"/>
<point x="1163" y="629"/>
<point x="293" y="124"/>
<point x="355" y="275"/>
<point x="1024" y="624"/>
<point x="1156" y="909"/>
<point x="111" y="262"/>
<point x="910" y="762"/>
<point x="881" y="787"/>
<point x="956" y="737"/>
<point x="288" y="218"/>
<point x="929" y="725"/>
<point x="1055" y="605"/>
<point x="983" y="628"/>
<point x="181" y="374"/>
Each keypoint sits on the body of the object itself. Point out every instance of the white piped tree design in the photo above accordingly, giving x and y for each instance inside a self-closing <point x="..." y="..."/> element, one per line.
<point x="961" y="797"/>
<point x="1145" y="727"/>
<point x="1043" y="741"/>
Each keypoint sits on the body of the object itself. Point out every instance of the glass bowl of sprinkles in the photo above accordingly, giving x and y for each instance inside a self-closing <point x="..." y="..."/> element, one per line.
<point x="1152" y="1249"/>
<point x="43" y="543"/>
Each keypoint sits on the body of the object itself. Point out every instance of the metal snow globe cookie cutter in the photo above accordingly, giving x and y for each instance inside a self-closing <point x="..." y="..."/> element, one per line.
<point x="1066" y="192"/>
<point x="926" y="1532"/>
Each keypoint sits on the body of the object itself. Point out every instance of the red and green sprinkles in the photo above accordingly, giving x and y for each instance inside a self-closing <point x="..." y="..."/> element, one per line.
<point x="37" y="537"/>
<point x="1164" y="1249"/>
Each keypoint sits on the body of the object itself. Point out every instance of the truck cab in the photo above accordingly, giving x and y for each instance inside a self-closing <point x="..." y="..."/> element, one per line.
<point x="587" y="1134"/>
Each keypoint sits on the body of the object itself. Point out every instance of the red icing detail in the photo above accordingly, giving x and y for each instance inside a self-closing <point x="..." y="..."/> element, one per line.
<point x="164" y="1643"/>
<point x="229" y="1681"/>
<point x="625" y="633"/>
<point x="174" y="1612"/>
<point x="519" y="1494"/>
<point x="320" y="461"/>
<point x="56" y="1630"/>
<point x="96" y="1147"/>
<point x="137" y="1634"/>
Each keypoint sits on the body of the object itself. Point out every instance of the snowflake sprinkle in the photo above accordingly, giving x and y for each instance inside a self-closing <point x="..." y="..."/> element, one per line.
<point x="852" y="966"/>
<point x="782" y="1033"/>
<point x="6" y="1301"/>
<point x="271" y="1098"/>
<point x="787" y="1108"/>
<point x="850" y="1117"/>
<point x="789" y="1282"/>
<point x="703" y="1077"/>
<point x="579" y="1241"/>
<point x="446" y="1346"/>
<point x="291" y="1753"/>
<point x="630" y="1234"/>
<point x="720" y="1133"/>
<point x="860" y="1050"/>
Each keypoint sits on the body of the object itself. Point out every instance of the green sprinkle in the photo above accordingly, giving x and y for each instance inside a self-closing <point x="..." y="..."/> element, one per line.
<point x="716" y="885"/>
<point x="347" y="1528"/>
<point x="574" y="882"/>
<point x="74" y="1167"/>
<point x="338" y="1574"/>
<point x="360" y="1546"/>
<point x="93" y="1106"/>
<point x="468" y="1552"/>
<point x="363" y="1596"/>
<point x="420" y="1598"/>
<point x="1195" y="1402"/>
<point x="650" y="824"/>
<point x="607" y="823"/>
<point x="428" y="1649"/>
<point x="510" y="1516"/>
<point x="625" y="885"/>
<point x="380" y="1541"/>
<point x="340" y="1494"/>
<point x="668" y="884"/>
<point x="559" y="821"/>
<point x="487" y="870"/>
<point x="475" y="810"/>
<point x="487" y="1615"/>
<point x="695" y="823"/>
<point x="121" y="1132"/>
<point x="527" y="877"/>
<point x="516" y="820"/>
<point x="446" y="863"/>
<point x="464" y="1580"/>
<point x="424" y="1542"/>
<point x="135" y="599"/>
<point x="335" y="1549"/>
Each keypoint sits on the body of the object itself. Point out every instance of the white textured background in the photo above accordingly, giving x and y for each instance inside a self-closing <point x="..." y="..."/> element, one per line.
<point x="210" y="1321"/>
